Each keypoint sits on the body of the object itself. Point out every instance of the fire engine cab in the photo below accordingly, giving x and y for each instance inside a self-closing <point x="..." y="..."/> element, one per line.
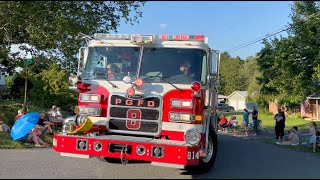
<point x="145" y="97"/>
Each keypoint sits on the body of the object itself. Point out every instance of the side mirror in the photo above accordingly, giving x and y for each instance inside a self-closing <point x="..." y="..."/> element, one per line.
<point x="83" y="53"/>
<point x="215" y="62"/>
<point x="214" y="66"/>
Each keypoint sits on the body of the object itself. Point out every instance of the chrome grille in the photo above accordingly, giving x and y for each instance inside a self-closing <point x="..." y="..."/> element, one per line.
<point x="134" y="115"/>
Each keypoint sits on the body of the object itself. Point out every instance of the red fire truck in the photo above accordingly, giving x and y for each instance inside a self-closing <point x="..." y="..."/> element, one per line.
<point x="145" y="97"/>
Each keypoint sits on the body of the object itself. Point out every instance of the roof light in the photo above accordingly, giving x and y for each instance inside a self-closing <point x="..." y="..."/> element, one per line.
<point x="177" y="37"/>
<point x="112" y="36"/>
<point x="185" y="37"/>
<point x="198" y="37"/>
<point x="163" y="37"/>
<point x="137" y="38"/>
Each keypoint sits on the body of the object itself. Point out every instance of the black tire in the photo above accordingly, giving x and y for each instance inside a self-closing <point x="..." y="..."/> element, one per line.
<point x="206" y="164"/>
<point x="109" y="160"/>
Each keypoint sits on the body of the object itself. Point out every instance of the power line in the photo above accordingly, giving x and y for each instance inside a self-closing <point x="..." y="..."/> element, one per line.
<point x="255" y="41"/>
<point x="258" y="39"/>
<point x="267" y="35"/>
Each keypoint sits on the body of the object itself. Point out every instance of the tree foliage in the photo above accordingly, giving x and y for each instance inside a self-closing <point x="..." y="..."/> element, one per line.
<point x="229" y="76"/>
<point x="46" y="86"/>
<point x="289" y="65"/>
<point x="238" y="75"/>
<point x="50" y="27"/>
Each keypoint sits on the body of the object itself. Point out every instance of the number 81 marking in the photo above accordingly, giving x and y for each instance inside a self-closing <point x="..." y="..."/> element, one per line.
<point x="193" y="155"/>
<point x="133" y="114"/>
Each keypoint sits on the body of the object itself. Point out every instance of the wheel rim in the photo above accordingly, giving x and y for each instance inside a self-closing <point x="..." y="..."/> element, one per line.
<point x="208" y="157"/>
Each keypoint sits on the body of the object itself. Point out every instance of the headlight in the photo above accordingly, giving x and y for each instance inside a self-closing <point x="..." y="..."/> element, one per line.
<point x="94" y="98"/>
<point x="73" y="79"/>
<point x="173" y="116"/>
<point x="180" y="103"/>
<point x="192" y="137"/>
<point x="88" y="110"/>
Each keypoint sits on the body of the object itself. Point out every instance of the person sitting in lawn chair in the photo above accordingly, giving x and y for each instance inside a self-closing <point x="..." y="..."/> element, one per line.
<point x="223" y="123"/>
<point x="55" y="116"/>
<point x="34" y="136"/>
<point x="293" y="138"/>
<point x="21" y="112"/>
<point x="45" y="124"/>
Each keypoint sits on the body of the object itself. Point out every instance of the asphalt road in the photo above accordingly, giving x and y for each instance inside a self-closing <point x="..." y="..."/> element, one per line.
<point x="238" y="157"/>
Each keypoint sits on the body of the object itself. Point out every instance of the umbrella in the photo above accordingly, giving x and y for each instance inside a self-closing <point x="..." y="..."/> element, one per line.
<point x="24" y="124"/>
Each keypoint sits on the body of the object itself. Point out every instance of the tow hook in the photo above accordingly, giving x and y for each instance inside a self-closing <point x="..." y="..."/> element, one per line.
<point x="123" y="154"/>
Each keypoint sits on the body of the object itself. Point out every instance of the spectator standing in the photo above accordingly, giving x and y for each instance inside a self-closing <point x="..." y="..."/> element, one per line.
<point x="313" y="136"/>
<point x="233" y="123"/>
<point x="246" y="120"/>
<point x="279" y="126"/>
<point x="255" y="120"/>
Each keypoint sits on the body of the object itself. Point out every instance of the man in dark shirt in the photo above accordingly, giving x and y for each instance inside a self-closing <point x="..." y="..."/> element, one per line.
<point x="255" y="120"/>
<point x="45" y="123"/>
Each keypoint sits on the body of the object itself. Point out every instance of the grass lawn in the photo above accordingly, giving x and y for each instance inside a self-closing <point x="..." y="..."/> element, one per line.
<point x="268" y="125"/>
<point x="7" y="143"/>
<point x="8" y="110"/>
<point x="268" y="121"/>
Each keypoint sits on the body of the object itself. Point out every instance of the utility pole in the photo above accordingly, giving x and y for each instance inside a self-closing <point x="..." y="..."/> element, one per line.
<point x="28" y="62"/>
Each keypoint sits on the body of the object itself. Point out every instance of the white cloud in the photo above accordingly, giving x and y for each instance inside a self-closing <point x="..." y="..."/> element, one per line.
<point x="163" y="25"/>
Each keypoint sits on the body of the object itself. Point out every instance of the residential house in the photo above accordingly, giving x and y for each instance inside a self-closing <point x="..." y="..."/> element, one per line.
<point x="237" y="99"/>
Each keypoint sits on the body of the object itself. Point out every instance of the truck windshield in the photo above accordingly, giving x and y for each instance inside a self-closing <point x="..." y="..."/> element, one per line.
<point x="176" y="65"/>
<point x="111" y="63"/>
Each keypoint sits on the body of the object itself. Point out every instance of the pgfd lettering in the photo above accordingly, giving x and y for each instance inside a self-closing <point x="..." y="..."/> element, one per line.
<point x="130" y="102"/>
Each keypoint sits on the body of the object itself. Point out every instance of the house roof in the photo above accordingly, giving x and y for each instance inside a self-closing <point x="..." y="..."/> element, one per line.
<point x="314" y="96"/>
<point x="244" y="94"/>
<point x="220" y="96"/>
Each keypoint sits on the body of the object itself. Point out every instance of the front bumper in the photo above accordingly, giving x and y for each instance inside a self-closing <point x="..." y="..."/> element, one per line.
<point x="172" y="152"/>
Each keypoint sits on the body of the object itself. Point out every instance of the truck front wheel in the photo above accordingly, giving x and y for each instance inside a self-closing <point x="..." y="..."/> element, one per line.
<point x="206" y="163"/>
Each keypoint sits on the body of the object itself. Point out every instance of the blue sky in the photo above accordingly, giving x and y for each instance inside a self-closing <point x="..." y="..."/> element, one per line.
<point x="227" y="24"/>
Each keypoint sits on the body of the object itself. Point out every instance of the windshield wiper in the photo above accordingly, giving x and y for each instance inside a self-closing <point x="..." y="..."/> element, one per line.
<point x="102" y="77"/>
<point x="165" y="80"/>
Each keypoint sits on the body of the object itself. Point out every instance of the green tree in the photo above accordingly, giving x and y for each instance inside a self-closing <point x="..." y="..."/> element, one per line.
<point x="51" y="85"/>
<point x="50" y="27"/>
<point x="230" y="80"/>
<point x="250" y="72"/>
<point x="288" y="65"/>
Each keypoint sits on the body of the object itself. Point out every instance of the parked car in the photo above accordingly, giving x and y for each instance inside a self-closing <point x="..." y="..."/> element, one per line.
<point x="224" y="107"/>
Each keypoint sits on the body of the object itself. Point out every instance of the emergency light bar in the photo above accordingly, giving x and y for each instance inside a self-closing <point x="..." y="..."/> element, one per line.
<point x="139" y="38"/>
